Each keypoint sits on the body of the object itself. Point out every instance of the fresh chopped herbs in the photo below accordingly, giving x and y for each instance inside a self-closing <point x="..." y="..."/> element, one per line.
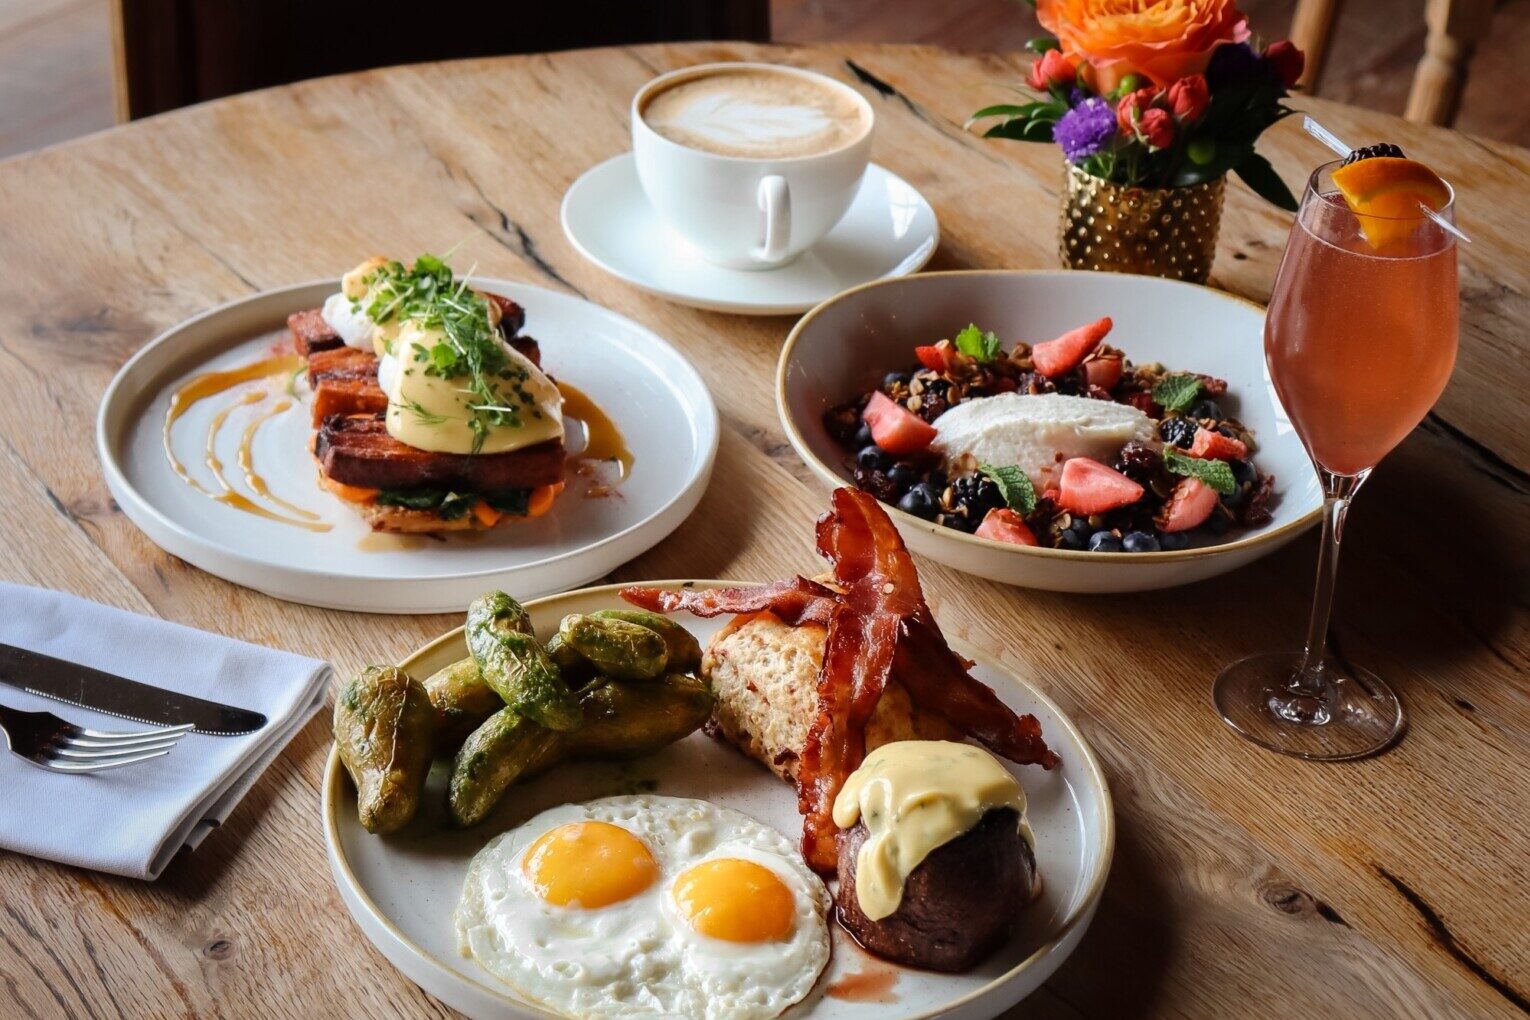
<point x="424" y="417"/>
<point x="1216" y="473"/>
<point x="979" y="344"/>
<point x="1014" y="485"/>
<point x="1176" y="392"/>
<point x="429" y="294"/>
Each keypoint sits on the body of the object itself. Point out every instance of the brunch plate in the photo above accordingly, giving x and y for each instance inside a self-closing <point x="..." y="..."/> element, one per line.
<point x="845" y="345"/>
<point x="402" y="889"/>
<point x="890" y="230"/>
<point x="642" y="383"/>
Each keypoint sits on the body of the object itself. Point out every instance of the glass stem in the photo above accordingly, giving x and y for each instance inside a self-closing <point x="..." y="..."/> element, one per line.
<point x="1338" y="490"/>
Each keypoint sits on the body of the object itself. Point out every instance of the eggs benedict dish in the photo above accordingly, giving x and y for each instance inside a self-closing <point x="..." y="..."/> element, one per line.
<point x="432" y="413"/>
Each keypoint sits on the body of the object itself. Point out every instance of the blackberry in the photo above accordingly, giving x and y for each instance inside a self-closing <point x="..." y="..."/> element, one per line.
<point x="934" y="399"/>
<point x="1139" y="462"/>
<point x="876" y="483"/>
<point x="960" y="523"/>
<point x="978" y="494"/>
<point x="1179" y="431"/>
<point x="1372" y="151"/>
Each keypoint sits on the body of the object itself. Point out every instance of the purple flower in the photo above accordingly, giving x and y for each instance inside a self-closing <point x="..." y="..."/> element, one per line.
<point x="1233" y="64"/>
<point x="1083" y="130"/>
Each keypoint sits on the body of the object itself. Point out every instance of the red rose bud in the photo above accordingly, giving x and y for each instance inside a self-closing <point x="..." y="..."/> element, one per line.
<point x="1129" y="110"/>
<point x="1188" y="98"/>
<point x="1052" y="69"/>
<point x="1156" y="128"/>
<point x="1286" y="61"/>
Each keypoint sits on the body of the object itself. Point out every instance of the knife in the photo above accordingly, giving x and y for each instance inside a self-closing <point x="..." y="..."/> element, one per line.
<point x="85" y="687"/>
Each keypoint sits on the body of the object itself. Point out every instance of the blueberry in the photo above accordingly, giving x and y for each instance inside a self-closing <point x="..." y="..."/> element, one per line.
<point x="892" y="379"/>
<point x="1206" y="409"/>
<point x="1139" y="541"/>
<point x="903" y="474"/>
<point x="921" y="501"/>
<point x="1173" y="541"/>
<point x="1075" y="535"/>
<point x="1104" y="541"/>
<point x="1236" y="498"/>
<point x="863" y="436"/>
<point x="1245" y="472"/>
<point x="873" y="458"/>
<point x="1217" y="524"/>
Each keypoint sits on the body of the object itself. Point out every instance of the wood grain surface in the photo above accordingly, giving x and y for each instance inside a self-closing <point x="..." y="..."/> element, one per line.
<point x="1245" y="884"/>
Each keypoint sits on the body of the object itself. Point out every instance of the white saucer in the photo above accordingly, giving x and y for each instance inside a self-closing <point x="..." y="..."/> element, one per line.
<point x="889" y="231"/>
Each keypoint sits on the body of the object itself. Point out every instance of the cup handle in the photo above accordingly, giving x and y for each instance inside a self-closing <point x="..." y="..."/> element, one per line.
<point x="776" y="204"/>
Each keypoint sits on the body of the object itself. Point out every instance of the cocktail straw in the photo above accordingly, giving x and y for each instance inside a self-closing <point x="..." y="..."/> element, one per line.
<point x="1333" y="141"/>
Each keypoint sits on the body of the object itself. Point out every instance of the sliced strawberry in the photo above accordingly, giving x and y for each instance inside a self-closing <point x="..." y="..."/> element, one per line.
<point x="1188" y="507"/>
<point x="895" y="428"/>
<point x="1004" y="525"/>
<point x="1212" y="445"/>
<point x="1103" y="372"/>
<point x="1089" y="487"/>
<point x="1057" y="357"/>
<point x="936" y="357"/>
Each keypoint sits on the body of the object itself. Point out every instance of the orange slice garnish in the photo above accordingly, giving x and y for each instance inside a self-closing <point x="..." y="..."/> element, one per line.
<point x="1385" y="193"/>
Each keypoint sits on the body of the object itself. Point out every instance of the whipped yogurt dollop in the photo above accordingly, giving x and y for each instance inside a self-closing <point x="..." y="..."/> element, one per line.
<point x="1037" y="433"/>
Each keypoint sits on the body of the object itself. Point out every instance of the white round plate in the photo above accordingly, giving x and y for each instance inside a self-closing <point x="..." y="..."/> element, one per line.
<point x="845" y="345"/>
<point x="889" y="231"/>
<point x="402" y="889"/>
<point x="652" y="393"/>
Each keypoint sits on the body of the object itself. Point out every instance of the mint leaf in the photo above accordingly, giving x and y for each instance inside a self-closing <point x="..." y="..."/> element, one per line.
<point x="1215" y="473"/>
<point x="1014" y="485"/>
<point x="977" y="343"/>
<point x="1176" y="392"/>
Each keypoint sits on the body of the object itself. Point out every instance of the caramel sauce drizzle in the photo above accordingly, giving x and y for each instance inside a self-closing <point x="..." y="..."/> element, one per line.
<point x="603" y="440"/>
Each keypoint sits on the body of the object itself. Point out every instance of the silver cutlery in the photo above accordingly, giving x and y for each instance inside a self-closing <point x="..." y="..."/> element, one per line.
<point x="58" y="745"/>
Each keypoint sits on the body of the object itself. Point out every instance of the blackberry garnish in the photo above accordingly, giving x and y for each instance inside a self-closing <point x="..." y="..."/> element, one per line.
<point x="1372" y="151"/>
<point x="978" y="494"/>
<point x="1140" y="462"/>
<point x="1179" y="431"/>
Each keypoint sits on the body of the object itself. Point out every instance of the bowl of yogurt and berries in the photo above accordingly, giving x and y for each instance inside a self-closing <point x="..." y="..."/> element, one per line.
<point x="1071" y="431"/>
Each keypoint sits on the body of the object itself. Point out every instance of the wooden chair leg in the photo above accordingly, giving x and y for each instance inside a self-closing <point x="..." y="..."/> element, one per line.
<point x="1311" y="29"/>
<point x="1455" y="28"/>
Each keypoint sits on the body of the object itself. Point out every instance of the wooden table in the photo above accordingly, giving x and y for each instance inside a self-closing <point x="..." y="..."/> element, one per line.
<point x="1245" y="884"/>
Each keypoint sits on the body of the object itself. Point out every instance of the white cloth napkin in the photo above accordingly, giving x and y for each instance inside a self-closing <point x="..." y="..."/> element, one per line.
<point x="131" y="821"/>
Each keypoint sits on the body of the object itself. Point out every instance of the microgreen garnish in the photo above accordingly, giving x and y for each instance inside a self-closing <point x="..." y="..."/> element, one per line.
<point x="429" y="294"/>
<point x="1014" y="485"/>
<point x="976" y="343"/>
<point x="1215" y="473"/>
<point x="1176" y="392"/>
<point x="424" y="417"/>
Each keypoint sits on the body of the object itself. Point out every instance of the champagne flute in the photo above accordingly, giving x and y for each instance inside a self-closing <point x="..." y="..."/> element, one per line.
<point x="1360" y="339"/>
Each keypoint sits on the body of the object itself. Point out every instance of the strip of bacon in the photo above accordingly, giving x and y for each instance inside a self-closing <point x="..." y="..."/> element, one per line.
<point x="937" y="680"/>
<point x="796" y="600"/>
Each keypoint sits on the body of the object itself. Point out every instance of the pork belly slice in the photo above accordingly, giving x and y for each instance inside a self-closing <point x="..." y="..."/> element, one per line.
<point x="311" y="333"/>
<point x="358" y="450"/>
<point x="344" y="382"/>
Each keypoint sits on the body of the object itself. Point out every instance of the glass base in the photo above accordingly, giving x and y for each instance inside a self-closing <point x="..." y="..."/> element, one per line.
<point x="1356" y="715"/>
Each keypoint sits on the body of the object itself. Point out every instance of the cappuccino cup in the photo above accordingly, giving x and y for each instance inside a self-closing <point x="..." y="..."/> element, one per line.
<point x="750" y="163"/>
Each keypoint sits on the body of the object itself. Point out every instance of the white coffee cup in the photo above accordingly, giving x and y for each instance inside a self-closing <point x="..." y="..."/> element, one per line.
<point x="744" y="206"/>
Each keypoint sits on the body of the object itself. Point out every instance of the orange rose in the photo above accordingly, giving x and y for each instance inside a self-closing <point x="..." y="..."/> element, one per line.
<point x="1164" y="40"/>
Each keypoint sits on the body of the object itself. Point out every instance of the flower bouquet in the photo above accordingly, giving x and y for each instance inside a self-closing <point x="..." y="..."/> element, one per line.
<point x="1152" y="105"/>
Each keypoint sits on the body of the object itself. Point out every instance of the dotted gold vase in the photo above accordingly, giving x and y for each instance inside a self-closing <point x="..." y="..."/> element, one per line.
<point x="1169" y="232"/>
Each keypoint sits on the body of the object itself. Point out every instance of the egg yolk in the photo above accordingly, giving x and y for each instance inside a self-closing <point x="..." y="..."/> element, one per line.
<point x="589" y="865"/>
<point x="736" y="901"/>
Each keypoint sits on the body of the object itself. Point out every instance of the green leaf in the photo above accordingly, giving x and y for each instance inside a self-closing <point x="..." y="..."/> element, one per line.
<point x="1215" y="473"/>
<point x="1014" y="485"/>
<point x="1005" y="110"/>
<point x="1265" y="182"/>
<point x="509" y="501"/>
<point x="1042" y="43"/>
<point x="1176" y="392"/>
<point x="414" y="499"/>
<point x="976" y="343"/>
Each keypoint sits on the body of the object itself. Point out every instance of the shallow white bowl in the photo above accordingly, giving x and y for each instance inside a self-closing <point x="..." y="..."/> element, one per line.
<point x="845" y="345"/>
<point x="402" y="889"/>
<point x="653" y="394"/>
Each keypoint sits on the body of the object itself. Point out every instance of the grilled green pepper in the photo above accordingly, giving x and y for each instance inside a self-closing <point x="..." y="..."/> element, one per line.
<point x="462" y="700"/>
<point x="620" y="650"/>
<point x="385" y="734"/>
<point x="683" y="648"/>
<point x="495" y="755"/>
<point x="626" y="720"/>
<point x="515" y="665"/>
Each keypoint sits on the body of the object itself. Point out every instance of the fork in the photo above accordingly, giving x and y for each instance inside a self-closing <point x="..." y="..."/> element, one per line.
<point x="58" y="745"/>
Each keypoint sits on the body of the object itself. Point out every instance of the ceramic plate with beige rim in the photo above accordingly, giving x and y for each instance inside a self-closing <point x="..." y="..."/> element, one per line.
<point x="402" y="889"/>
<point x="844" y="346"/>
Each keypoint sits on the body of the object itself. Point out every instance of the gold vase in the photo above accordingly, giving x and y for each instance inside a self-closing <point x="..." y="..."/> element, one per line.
<point x="1169" y="232"/>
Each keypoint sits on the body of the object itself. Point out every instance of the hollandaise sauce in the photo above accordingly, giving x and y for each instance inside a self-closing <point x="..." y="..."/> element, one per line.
<point x="274" y="371"/>
<point x="915" y="796"/>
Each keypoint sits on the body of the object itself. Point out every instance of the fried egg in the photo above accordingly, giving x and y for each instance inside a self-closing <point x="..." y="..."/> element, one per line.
<point x="647" y="906"/>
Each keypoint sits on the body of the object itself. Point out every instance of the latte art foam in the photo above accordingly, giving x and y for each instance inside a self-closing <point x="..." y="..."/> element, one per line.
<point x="755" y="114"/>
